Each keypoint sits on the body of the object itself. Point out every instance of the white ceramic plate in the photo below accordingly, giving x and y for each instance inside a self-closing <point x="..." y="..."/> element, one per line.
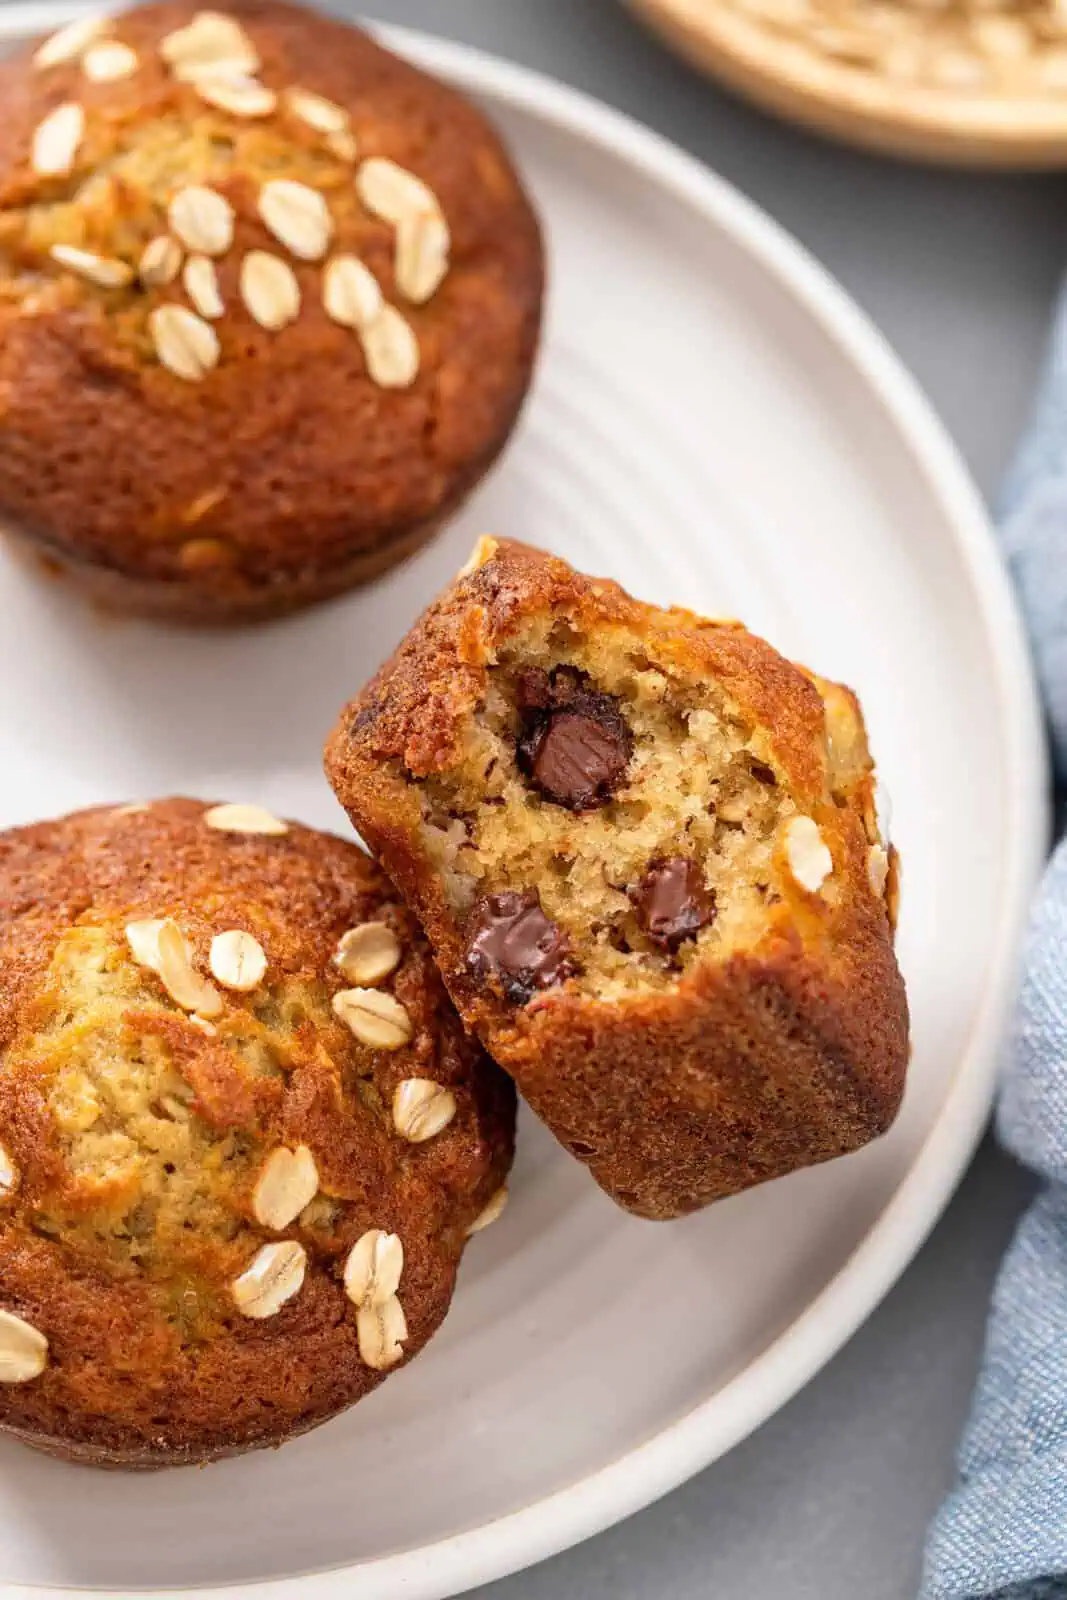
<point x="714" y="423"/>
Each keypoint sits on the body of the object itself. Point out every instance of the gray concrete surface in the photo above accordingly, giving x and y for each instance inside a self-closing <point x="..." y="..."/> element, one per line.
<point x="829" y="1501"/>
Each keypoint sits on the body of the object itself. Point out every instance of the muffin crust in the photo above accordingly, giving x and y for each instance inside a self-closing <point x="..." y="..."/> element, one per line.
<point x="248" y="359"/>
<point x="217" y="1209"/>
<point x="646" y="852"/>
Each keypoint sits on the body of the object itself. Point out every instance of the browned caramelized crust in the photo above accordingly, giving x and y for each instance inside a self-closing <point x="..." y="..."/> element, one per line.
<point x="243" y="1136"/>
<point x="646" y="851"/>
<point x="291" y="394"/>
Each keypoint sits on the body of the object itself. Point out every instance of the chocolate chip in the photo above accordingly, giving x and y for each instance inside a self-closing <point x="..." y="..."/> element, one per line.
<point x="533" y="689"/>
<point x="575" y="744"/>
<point x="510" y="938"/>
<point x="672" y="901"/>
<point x="763" y="773"/>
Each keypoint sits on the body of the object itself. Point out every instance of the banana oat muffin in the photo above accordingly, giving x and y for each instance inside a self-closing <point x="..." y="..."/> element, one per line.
<point x="243" y="1136"/>
<point x="269" y="304"/>
<point x="646" y="852"/>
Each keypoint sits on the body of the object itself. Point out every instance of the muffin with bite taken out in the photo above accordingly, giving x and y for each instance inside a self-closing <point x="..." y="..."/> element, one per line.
<point x="646" y="851"/>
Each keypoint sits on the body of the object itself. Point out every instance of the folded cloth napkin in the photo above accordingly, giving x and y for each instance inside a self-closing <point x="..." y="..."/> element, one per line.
<point x="1003" y="1531"/>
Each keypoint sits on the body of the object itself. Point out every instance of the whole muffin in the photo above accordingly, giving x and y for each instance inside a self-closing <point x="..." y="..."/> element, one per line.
<point x="243" y="1136"/>
<point x="269" y="305"/>
<point x="646" y="852"/>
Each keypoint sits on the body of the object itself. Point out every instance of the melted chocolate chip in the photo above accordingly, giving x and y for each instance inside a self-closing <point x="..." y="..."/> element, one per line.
<point x="510" y="938"/>
<point x="763" y="773"/>
<point x="575" y="744"/>
<point x="672" y="901"/>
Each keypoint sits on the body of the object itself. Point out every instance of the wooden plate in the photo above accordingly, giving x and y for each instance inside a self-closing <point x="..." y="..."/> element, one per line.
<point x="955" y="81"/>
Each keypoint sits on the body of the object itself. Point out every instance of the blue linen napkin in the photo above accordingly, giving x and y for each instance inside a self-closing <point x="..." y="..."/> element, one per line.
<point x="1002" y="1534"/>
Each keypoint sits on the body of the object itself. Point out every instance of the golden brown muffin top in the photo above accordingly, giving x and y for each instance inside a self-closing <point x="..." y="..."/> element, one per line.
<point x="266" y="292"/>
<point x="240" y="1125"/>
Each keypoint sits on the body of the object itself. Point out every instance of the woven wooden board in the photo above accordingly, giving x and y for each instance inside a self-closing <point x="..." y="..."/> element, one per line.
<point x="965" y="83"/>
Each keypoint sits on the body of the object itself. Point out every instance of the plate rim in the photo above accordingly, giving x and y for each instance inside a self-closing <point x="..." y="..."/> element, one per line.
<point x="555" y="1522"/>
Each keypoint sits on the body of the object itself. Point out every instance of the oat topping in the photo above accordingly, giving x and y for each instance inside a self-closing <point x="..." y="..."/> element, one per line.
<point x="202" y="219"/>
<point x="56" y="140"/>
<point x="392" y="193"/>
<point x="806" y="851"/>
<point x="9" y="1178"/>
<point x="104" y="271"/>
<point x="244" y="819"/>
<point x="161" y="261"/>
<point x="391" y="350"/>
<point x="237" y="960"/>
<point x="492" y="1211"/>
<point x="351" y="294"/>
<point x="143" y="940"/>
<point x="377" y="1020"/>
<point x="288" y="1181"/>
<point x="202" y="286"/>
<point x="422" y="1109"/>
<point x="422" y="246"/>
<point x="23" y="1350"/>
<point x="269" y="290"/>
<point x="373" y="1269"/>
<point x="318" y="112"/>
<point x="71" y="42"/>
<point x="275" y="1276"/>
<point x="423" y="242"/>
<point x="368" y="954"/>
<point x="186" y="987"/>
<point x="185" y="344"/>
<point x="159" y="945"/>
<point x="108" y="61"/>
<point x="211" y="42"/>
<point x="297" y="216"/>
<point x="381" y="1331"/>
<point x="240" y="96"/>
<point x="485" y="548"/>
